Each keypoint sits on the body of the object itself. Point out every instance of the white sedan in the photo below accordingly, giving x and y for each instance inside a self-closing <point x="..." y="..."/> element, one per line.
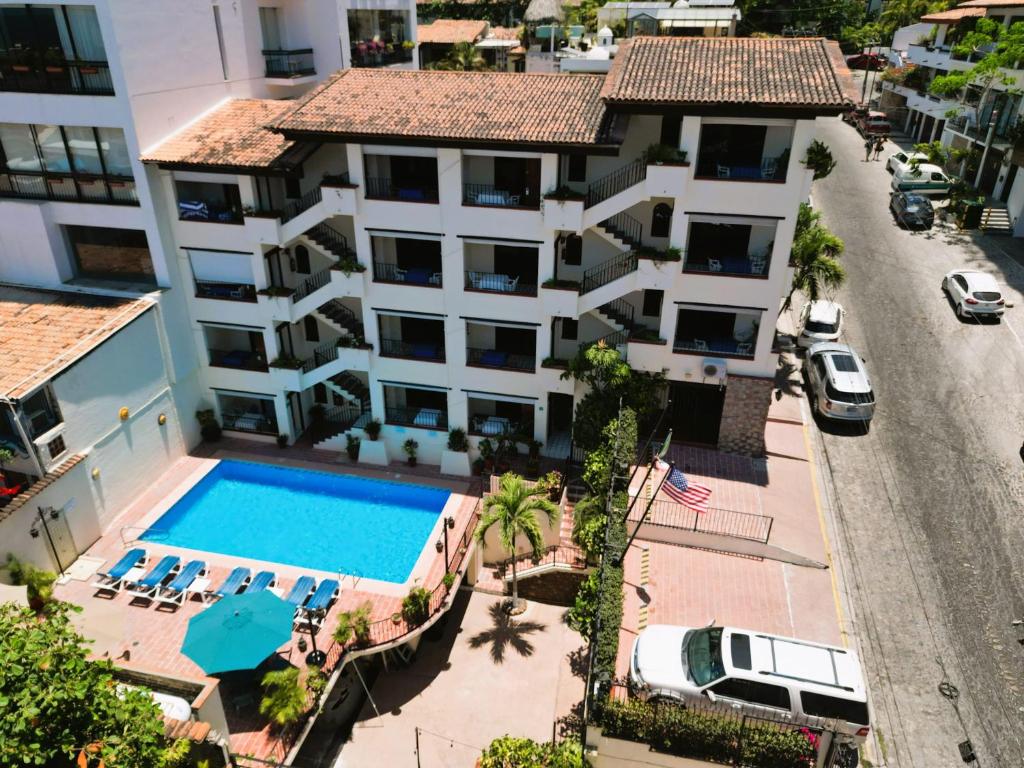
<point x="902" y="159"/>
<point x="974" y="293"/>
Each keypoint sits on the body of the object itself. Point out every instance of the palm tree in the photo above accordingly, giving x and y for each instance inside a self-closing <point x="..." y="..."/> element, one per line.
<point x="284" y="697"/>
<point x="814" y="256"/>
<point x="463" y="57"/>
<point x="516" y="510"/>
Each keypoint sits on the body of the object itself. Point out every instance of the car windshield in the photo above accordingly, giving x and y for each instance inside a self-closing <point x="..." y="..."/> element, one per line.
<point x="986" y="295"/>
<point x="915" y="204"/>
<point x="815" y="326"/>
<point x="853" y="398"/>
<point x="705" y="655"/>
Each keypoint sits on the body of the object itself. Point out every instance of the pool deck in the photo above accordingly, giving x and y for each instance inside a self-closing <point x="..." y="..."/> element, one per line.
<point x="136" y="635"/>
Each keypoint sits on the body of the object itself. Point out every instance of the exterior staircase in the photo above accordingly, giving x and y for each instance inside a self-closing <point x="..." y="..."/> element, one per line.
<point x="340" y="420"/>
<point x="349" y="387"/>
<point x="618" y="314"/>
<point x="331" y="241"/>
<point x="995" y="220"/>
<point x="607" y="271"/>
<point x="615" y="182"/>
<point x="341" y="318"/>
<point x="624" y="229"/>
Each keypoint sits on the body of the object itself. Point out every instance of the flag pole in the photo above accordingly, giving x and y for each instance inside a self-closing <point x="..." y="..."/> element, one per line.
<point x="647" y="509"/>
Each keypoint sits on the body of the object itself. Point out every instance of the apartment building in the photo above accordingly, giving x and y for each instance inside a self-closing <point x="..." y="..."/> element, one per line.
<point x="429" y="248"/>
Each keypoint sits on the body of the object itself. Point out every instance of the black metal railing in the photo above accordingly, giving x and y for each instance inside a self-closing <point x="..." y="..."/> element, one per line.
<point x="19" y="72"/>
<point x="242" y="359"/>
<point x="345" y="415"/>
<point x="625" y="227"/>
<point x="730" y="167"/>
<point x="612" y="340"/>
<point x="334" y="241"/>
<point x="711" y="346"/>
<point x="226" y="291"/>
<point x="556" y="554"/>
<point x="249" y="422"/>
<point x="723" y="522"/>
<point x="427" y="418"/>
<point x="312" y="283"/>
<point x="301" y="204"/>
<point x="323" y="354"/>
<point x="392" y="273"/>
<point x="612" y="269"/>
<point x="492" y="282"/>
<point x="753" y="264"/>
<point x="72" y="188"/>
<point x="296" y="63"/>
<point x="491" y="196"/>
<point x="384" y="188"/>
<point x="345" y="317"/>
<point x="620" y="311"/>
<point x="496" y="358"/>
<point x="488" y="425"/>
<point x="615" y="182"/>
<point x="418" y="350"/>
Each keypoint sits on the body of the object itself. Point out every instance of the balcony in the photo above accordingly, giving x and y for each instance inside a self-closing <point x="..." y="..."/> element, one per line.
<point x="204" y="201"/>
<point x="289" y="65"/>
<point x="496" y="418"/>
<point x="386" y="188"/>
<point x="501" y="347"/>
<point x="392" y="273"/>
<point x="731" y="152"/>
<point x="492" y="282"/>
<point x="235" y="348"/>
<point x="429" y="351"/>
<point x="501" y="182"/>
<point x="504" y="269"/>
<point x="735" y="250"/>
<point x="239" y="359"/>
<point x="489" y="196"/>
<point x="24" y="72"/>
<point x="225" y="291"/>
<point x="425" y="418"/>
<point x="716" y="334"/>
<point x="406" y="261"/>
<point x="247" y="414"/>
<point x="380" y="38"/>
<point x="69" y="188"/>
<point x="496" y="358"/>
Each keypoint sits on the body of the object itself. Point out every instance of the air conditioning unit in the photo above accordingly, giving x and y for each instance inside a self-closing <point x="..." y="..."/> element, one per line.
<point x="713" y="368"/>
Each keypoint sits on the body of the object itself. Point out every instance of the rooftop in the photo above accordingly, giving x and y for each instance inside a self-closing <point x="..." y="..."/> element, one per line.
<point x="954" y="15"/>
<point x="505" y="33"/>
<point x="231" y="135"/>
<point x="451" y="31"/>
<point x="492" y="107"/>
<point x="793" y="72"/>
<point x="992" y="4"/>
<point x="43" y="332"/>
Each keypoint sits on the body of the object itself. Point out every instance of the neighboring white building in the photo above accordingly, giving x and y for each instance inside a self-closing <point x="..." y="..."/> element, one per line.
<point x="682" y="18"/>
<point x="424" y="272"/>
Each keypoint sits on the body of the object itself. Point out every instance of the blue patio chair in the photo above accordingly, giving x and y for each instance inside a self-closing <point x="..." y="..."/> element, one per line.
<point x="326" y="593"/>
<point x="147" y="586"/>
<point x="303" y="588"/>
<point x="262" y="581"/>
<point x="177" y="592"/>
<point x="236" y="580"/>
<point x="112" y="579"/>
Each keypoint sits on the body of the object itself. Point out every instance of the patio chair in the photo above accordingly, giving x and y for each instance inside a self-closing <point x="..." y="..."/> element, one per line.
<point x="757" y="264"/>
<point x="327" y="591"/>
<point x="475" y="279"/>
<point x="147" y="586"/>
<point x="513" y="200"/>
<point x="177" y="591"/>
<point x="236" y="581"/>
<point x="700" y="345"/>
<point x="714" y="265"/>
<point x="512" y="284"/>
<point x="300" y="592"/>
<point x="723" y="171"/>
<point x="262" y="581"/>
<point x="768" y="167"/>
<point x="112" y="579"/>
<point x="744" y="348"/>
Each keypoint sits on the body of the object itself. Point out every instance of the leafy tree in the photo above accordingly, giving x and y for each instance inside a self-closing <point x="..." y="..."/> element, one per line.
<point x="513" y="752"/>
<point x="38" y="581"/>
<point x="828" y="17"/>
<point x="902" y="13"/>
<point x="284" y="697"/>
<point x="814" y="255"/>
<point x="6" y="456"/>
<point x="516" y="510"/>
<point x="463" y="57"/>
<point x="55" y="703"/>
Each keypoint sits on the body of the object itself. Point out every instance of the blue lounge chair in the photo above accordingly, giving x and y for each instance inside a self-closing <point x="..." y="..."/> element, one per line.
<point x="232" y="585"/>
<point x="147" y="586"/>
<point x="327" y="592"/>
<point x="303" y="588"/>
<point x="112" y="579"/>
<point x="261" y="581"/>
<point x="176" y="593"/>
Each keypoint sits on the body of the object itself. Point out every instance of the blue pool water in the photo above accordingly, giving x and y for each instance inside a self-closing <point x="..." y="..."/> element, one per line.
<point x="352" y="525"/>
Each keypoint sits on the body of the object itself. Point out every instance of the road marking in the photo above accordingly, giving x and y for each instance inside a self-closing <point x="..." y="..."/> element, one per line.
<point x="1009" y="325"/>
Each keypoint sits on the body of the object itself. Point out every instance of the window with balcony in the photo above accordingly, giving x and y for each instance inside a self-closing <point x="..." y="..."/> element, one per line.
<point x="493" y="418"/>
<point x="379" y="38"/>
<point x="717" y="332"/>
<point x="414" y="407"/>
<point x="111" y="254"/>
<point x="66" y="163"/>
<point x="235" y="348"/>
<point x="501" y="182"/>
<point x="205" y="201"/>
<point x="409" y="261"/>
<point x="730" y="248"/>
<point x="504" y="269"/>
<point x="40" y="412"/>
<point x="400" y="177"/>
<point x="736" y="152"/>
<point x="415" y="338"/>
<point x="248" y="413"/>
<point x="503" y="347"/>
<point x="222" y="275"/>
<point x="53" y="49"/>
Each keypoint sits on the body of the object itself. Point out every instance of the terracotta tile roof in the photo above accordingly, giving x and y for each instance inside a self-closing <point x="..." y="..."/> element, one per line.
<point x="231" y="135"/>
<point x="506" y="33"/>
<point x="43" y="332"/>
<point x="956" y="14"/>
<point x="452" y="31"/>
<point x="499" y="107"/>
<point x="804" y="72"/>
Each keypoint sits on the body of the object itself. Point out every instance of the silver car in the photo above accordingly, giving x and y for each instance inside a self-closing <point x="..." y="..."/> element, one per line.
<point x="839" y="384"/>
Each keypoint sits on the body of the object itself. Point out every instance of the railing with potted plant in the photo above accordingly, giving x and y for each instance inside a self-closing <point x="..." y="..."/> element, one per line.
<point x="312" y="283"/>
<point x="323" y="354"/>
<point x="26" y="71"/>
<point x="69" y="187"/>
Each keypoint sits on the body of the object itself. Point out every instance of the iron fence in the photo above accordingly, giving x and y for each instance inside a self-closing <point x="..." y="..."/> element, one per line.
<point x="604" y="273"/>
<point x="495" y="358"/>
<point x="87" y="78"/>
<point x="312" y="283"/>
<point x="608" y="186"/>
<point x="295" y="63"/>
<point x="625" y="227"/>
<point x="723" y="522"/>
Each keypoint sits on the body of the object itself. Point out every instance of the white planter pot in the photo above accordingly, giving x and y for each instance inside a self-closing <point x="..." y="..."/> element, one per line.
<point x="373" y="452"/>
<point x="455" y="463"/>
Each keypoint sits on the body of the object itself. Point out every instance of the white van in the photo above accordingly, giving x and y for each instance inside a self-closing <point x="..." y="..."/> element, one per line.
<point x="754" y="672"/>
<point x="926" y="179"/>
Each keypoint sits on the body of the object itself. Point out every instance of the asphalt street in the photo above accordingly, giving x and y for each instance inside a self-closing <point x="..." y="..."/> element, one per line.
<point x="926" y="505"/>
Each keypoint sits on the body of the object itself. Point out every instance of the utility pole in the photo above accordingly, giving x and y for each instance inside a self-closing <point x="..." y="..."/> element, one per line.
<point x="992" y="122"/>
<point x="867" y="72"/>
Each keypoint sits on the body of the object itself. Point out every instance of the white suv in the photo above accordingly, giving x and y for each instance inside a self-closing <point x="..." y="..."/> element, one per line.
<point x="839" y="384"/>
<point x="755" y="672"/>
<point x="820" y="321"/>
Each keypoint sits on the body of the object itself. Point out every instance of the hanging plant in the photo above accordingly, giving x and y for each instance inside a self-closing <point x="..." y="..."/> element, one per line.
<point x="819" y="159"/>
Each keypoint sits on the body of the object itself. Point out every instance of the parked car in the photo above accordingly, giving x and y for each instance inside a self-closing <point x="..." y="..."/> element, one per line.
<point x="926" y="179"/>
<point x="974" y="293"/>
<point x="839" y="386"/>
<point x="754" y="672"/>
<point x="820" y="320"/>
<point x="902" y="159"/>
<point x="874" y="124"/>
<point x="867" y="61"/>
<point x="852" y="114"/>
<point x="912" y="210"/>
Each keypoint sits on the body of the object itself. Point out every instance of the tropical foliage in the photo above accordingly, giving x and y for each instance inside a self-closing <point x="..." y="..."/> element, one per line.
<point x="354" y="623"/>
<point x="38" y="581"/>
<point x="517" y="511"/>
<point x="284" y="697"/>
<point x="463" y="57"/>
<point x="814" y="257"/>
<point x="514" y="752"/>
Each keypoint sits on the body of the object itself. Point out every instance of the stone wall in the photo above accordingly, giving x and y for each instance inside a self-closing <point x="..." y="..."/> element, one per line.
<point x="553" y="587"/>
<point x="744" y="415"/>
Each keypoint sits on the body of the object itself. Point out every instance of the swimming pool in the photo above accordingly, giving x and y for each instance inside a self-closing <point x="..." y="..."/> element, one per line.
<point x="340" y="523"/>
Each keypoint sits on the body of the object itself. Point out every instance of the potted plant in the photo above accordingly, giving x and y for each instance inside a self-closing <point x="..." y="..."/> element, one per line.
<point x="455" y="456"/>
<point x="355" y="623"/>
<point x="352" y="447"/>
<point x="372" y="429"/>
<point x="282" y="441"/>
<point x="551" y="484"/>
<point x="478" y="466"/>
<point x="486" y="448"/>
<point x="533" y="457"/>
<point x="209" y="428"/>
<point x="396" y="618"/>
<point x="20" y="59"/>
<point x="408" y="45"/>
<point x="410" y="446"/>
<point x="416" y="606"/>
<point x="457" y="441"/>
<point x="38" y="581"/>
<point x="53" y="60"/>
<point x="448" y="580"/>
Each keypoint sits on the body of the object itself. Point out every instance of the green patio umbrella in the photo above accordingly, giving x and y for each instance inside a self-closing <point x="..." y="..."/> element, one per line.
<point x="238" y="632"/>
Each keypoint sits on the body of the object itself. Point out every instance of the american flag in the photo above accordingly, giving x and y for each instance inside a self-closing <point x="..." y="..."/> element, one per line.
<point x="692" y="495"/>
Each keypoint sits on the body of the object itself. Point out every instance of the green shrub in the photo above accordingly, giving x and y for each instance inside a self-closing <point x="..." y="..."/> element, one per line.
<point x="416" y="605"/>
<point x="457" y="440"/>
<point x="515" y="752"/>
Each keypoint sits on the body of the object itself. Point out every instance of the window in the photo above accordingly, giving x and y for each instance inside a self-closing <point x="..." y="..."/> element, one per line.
<point x="570" y="329"/>
<point x="302" y="260"/>
<point x="670" y="127"/>
<point x="320" y="394"/>
<point x="661" y="220"/>
<point x="56" y="447"/>
<point x="113" y="254"/>
<point x="206" y="201"/>
<point x="739" y="647"/>
<point x="820" y="705"/>
<point x="51" y="145"/>
<point x="41" y="413"/>
<point x="220" y="41"/>
<point x="85" y="155"/>
<point x="577" y="167"/>
<point x="704" y="653"/>
<point x="311" y="328"/>
<point x="114" y="149"/>
<point x="652" y="303"/>
<point x="572" y="253"/>
<point x="764" y="694"/>
<point x="292" y="189"/>
<point x="19" y="149"/>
